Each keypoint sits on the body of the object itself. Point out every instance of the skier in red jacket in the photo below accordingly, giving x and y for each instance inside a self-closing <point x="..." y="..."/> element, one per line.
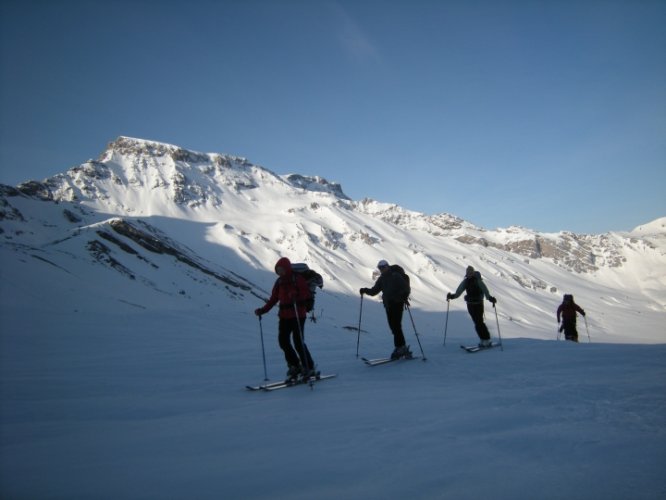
<point x="567" y="310"/>
<point x="291" y="291"/>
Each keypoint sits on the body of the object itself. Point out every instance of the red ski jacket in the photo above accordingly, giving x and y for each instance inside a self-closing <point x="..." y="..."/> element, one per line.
<point x="288" y="289"/>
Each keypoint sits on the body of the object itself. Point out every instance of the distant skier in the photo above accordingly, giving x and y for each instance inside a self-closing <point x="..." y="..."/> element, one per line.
<point x="292" y="292"/>
<point x="567" y="310"/>
<point x="476" y="289"/>
<point x="394" y="285"/>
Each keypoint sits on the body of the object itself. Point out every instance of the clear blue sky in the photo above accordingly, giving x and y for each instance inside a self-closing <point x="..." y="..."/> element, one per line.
<point x="545" y="114"/>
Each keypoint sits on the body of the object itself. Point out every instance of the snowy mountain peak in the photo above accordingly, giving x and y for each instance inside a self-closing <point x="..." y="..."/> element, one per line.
<point x="655" y="228"/>
<point x="194" y="177"/>
<point x="131" y="147"/>
<point x="128" y="146"/>
<point x="148" y="176"/>
<point x="195" y="222"/>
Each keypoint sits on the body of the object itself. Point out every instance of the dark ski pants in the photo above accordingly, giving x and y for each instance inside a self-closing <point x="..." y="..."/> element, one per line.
<point x="475" y="310"/>
<point x="394" y="315"/>
<point x="570" y="332"/>
<point x="288" y="329"/>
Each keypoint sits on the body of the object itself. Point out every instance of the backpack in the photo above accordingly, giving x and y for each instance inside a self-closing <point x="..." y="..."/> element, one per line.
<point x="474" y="292"/>
<point x="397" y="269"/>
<point x="312" y="278"/>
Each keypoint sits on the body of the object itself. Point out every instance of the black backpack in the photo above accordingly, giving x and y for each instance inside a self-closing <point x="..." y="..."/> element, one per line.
<point x="313" y="279"/>
<point x="474" y="292"/>
<point x="397" y="269"/>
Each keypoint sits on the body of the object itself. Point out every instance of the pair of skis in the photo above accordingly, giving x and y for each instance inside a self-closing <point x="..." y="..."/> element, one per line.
<point x="281" y="384"/>
<point x="479" y="348"/>
<point x="383" y="361"/>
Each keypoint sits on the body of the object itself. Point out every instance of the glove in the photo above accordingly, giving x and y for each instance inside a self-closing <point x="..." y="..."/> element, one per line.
<point x="258" y="312"/>
<point x="449" y="296"/>
<point x="583" y="313"/>
<point x="493" y="300"/>
<point x="364" y="290"/>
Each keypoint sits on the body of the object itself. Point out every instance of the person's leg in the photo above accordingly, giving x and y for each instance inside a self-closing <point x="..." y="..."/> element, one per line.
<point x="301" y="347"/>
<point x="476" y="312"/>
<point x="285" y="329"/>
<point x="394" y="316"/>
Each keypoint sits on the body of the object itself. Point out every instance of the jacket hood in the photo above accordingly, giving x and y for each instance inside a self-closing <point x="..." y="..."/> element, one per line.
<point x="285" y="263"/>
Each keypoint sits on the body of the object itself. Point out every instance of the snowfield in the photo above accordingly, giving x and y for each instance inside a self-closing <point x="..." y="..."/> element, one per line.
<point x="127" y="338"/>
<point x="153" y="405"/>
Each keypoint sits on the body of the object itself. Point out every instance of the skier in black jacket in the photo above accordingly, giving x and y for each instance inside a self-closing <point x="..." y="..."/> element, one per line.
<point x="394" y="285"/>
<point x="568" y="310"/>
<point x="476" y="289"/>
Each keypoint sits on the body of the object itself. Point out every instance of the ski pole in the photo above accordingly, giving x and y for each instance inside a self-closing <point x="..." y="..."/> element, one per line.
<point x="587" y="330"/>
<point x="358" y="337"/>
<point x="558" y="331"/>
<point x="415" y="332"/>
<point x="304" y="349"/>
<point x="446" y="323"/>
<point x="498" y="328"/>
<point x="263" y="351"/>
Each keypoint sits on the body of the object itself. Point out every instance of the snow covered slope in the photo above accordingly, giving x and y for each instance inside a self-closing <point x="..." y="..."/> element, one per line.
<point x="224" y="222"/>
<point x="127" y="287"/>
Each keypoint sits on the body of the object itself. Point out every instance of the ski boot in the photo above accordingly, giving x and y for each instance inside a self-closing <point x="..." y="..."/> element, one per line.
<point x="401" y="352"/>
<point x="293" y="373"/>
<point x="307" y="374"/>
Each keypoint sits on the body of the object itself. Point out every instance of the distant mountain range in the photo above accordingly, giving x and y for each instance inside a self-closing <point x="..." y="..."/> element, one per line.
<point x="150" y="224"/>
